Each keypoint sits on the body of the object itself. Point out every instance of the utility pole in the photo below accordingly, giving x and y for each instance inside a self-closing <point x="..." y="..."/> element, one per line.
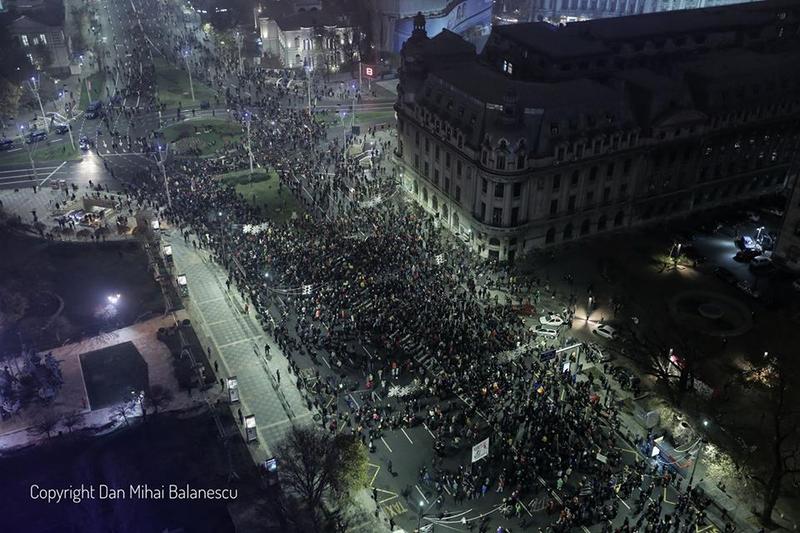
<point x="160" y="161"/>
<point x="239" y="47"/>
<point x="248" y="119"/>
<point x="30" y="148"/>
<point x="35" y="90"/>
<point x="697" y="460"/>
<point x="189" y="70"/>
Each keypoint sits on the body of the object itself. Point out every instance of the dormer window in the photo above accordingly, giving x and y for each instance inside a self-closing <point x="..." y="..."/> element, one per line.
<point x="508" y="67"/>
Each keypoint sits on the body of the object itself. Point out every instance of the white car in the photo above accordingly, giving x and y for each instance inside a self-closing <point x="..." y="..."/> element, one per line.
<point x="545" y="331"/>
<point x="551" y="319"/>
<point x="605" y="331"/>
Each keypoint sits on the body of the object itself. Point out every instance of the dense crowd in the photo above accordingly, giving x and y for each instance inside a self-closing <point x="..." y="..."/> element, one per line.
<point x="348" y="272"/>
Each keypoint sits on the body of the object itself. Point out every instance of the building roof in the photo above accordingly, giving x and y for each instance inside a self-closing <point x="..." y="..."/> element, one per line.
<point x="681" y="21"/>
<point x="550" y="40"/>
<point x="26" y="24"/>
<point x="308" y="19"/>
<point x="447" y="43"/>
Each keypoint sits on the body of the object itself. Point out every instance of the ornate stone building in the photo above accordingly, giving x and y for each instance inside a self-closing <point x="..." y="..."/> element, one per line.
<point x="560" y="133"/>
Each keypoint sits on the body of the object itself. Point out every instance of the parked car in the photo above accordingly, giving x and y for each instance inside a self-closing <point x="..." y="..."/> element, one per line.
<point x="545" y="331"/>
<point x="759" y="262"/>
<point x="605" y="331"/>
<point x="61" y="129"/>
<point x="745" y="256"/>
<point x="745" y="242"/>
<point x="205" y="104"/>
<point x="6" y="144"/>
<point x="725" y="275"/>
<point x="551" y="319"/>
<point x="36" y="136"/>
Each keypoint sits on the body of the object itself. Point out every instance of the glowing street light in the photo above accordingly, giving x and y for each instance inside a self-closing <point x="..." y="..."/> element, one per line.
<point x="113" y="298"/>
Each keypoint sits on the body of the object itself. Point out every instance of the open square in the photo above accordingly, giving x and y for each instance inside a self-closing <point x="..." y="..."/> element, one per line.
<point x="112" y="373"/>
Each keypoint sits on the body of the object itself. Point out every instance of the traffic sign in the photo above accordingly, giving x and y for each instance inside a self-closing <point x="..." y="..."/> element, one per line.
<point x="548" y="355"/>
<point x="480" y="450"/>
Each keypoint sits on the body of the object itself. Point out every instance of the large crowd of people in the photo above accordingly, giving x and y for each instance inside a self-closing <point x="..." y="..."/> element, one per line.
<point x="350" y="272"/>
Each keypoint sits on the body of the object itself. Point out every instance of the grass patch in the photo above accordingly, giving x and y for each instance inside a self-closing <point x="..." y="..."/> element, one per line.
<point x="264" y="191"/>
<point x="173" y="85"/>
<point x="202" y="137"/>
<point x="375" y="117"/>
<point x="61" y="151"/>
<point x="98" y="92"/>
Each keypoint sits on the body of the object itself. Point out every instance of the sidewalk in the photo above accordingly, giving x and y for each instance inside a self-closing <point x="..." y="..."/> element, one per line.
<point x="236" y="342"/>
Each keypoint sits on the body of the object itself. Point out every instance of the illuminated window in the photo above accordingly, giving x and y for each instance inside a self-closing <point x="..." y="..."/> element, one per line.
<point x="508" y="68"/>
<point x="24" y="40"/>
<point x="42" y="38"/>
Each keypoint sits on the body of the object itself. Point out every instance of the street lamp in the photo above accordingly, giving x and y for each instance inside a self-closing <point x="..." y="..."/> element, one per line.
<point x="33" y="83"/>
<point x="419" y="516"/>
<point x="308" y="69"/>
<point x="189" y="70"/>
<point x="247" y="119"/>
<point x="703" y="443"/>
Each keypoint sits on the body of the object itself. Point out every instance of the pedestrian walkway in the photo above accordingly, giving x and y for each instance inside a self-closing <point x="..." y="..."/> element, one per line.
<point x="236" y="341"/>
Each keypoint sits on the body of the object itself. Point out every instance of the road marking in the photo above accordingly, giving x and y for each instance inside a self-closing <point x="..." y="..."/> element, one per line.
<point x="354" y="401"/>
<point x="387" y="445"/>
<point x="324" y="360"/>
<point x="395" y="509"/>
<point x="26" y="169"/>
<point x="666" y="500"/>
<point x="624" y="502"/>
<point x="584" y="528"/>
<point x="421" y="493"/>
<point x="428" y="430"/>
<point x="406" y="434"/>
<point x="377" y="469"/>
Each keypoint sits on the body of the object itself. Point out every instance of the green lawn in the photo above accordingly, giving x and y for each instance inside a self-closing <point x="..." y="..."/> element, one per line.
<point x="203" y="136"/>
<point x="263" y="191"/>
<point x="375" y="117"/>
<point x="61" y="151"/>
<point x="98" y="83"/>
<point x="173" y="85"/>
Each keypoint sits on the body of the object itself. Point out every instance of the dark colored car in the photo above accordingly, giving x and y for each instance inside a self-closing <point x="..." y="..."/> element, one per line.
<point x="61" y="129"/>
<point x="6" y="144"/>
<point x="205" y="104"/>
<point x="745" y="256"/>
<point x="35" y="136"/>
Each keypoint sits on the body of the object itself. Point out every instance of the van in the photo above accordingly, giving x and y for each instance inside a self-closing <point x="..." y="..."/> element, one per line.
<point x="94" y="109"/>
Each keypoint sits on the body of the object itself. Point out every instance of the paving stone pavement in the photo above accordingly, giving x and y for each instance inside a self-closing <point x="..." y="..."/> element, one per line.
<point x="237" y="342"/>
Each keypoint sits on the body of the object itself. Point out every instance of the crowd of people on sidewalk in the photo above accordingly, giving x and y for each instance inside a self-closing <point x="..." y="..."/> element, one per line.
<point x="347" y="272"/>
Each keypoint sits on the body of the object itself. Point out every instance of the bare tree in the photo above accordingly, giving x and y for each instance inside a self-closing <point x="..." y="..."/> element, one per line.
<point x="158" y="397"/>
<point x="122" y="410"/>
<point x="783" y="439"/>
<point x="45" y="425"/>
<point x="72" y="420"/>
<point x="314" y="464"/>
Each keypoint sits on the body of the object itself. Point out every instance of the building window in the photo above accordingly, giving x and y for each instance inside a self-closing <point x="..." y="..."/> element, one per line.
<point x="501" y="161"/>
<point x="436" y="176"/>
<point x="458" y="194"/>
<point x="483" y="211"/>
<point x="416" y="161"/>
<point x="517" y="189"/>
<point x="484" y="185"/>
<point x="425" y="172"/>
<point x="427" y="145"/>
<point x="571" y="203"/>
<point x="508" y="68"/>
<point x="447" y="184"/>
<point x="458" y="168"/>
<point x="573" y="180"/>
<point x="42" y="38"/>
<point x="436" y="152"/>
<point x="514" y="216"/>
<point x="568" y="231"/>
<point x="610" y="170"/>
<point x="607" y="194"/>
<point x="24" y="40"/>
<point x="520" y="161"/>
<point x="593" y="174"/>
<point x="626" y="167"/>
<point x="556" y="182"/>
<point x="446" y="159"/>
<point x="498" y="190"/>
<point x="497" y="216"/>
<point x="553" y="206"/>
<point x="550" y="237"/>
<point x="585" y="227"/>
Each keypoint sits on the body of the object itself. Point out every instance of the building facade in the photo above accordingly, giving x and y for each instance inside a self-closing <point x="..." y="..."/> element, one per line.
<point x="308" y="38"/>
<point x="562" y="11"/>
<point x="553" y="134"/>
<point x="46" y="46"/>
